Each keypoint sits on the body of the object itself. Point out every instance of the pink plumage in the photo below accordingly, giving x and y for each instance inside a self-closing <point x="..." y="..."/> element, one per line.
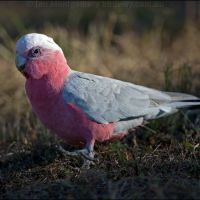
<point x="45" y="67"/>
<point x="62" y="118"/>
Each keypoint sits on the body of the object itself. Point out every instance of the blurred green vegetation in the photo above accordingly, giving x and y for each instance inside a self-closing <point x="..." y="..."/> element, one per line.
<point x="138" y="16"/>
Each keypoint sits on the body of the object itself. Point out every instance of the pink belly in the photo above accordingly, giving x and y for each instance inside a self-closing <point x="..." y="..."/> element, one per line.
<point x="64" y="119"/>
<point x="71" y="124"/>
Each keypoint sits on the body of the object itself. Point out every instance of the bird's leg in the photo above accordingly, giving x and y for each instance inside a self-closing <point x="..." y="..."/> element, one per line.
<point x="86" y="153"/>
<point x="90" y="154"/>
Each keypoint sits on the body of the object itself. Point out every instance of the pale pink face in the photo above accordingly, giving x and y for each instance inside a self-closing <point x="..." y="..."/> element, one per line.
<point x="39" y="62"/>
<point x="37" y="55"/>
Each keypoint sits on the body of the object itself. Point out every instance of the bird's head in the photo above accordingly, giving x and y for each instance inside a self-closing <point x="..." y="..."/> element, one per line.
<point x="38" y="55"/>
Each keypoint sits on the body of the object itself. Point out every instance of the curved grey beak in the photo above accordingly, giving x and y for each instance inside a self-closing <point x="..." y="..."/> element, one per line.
<point x="20" y="62"/>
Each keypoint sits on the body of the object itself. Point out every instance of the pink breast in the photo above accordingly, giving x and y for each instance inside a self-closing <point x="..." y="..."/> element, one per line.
<point x="65" y="119"/>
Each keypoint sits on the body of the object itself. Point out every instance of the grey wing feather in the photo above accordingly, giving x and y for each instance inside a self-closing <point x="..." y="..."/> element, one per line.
<point x="177" y="96"/>
<point x="107" y="100"/>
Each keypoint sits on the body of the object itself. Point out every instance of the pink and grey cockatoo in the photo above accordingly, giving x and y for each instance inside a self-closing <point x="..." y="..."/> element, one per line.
<point x="80" y="107"/>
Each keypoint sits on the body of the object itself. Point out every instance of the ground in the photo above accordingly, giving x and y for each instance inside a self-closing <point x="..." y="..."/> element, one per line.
<point x="145" y="164"/>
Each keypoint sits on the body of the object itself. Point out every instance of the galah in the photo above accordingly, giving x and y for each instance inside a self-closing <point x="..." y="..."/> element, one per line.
<point x="81" y="107"/>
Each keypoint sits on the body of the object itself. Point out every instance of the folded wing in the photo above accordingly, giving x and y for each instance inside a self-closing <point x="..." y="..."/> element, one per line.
<point x="107" y="100"/>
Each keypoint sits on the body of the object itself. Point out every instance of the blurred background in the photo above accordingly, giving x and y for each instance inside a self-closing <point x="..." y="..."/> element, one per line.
<point x="153" y="43"/>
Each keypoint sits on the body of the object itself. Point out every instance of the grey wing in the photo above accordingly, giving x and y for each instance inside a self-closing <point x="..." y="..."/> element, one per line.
<point x="107" y="100"/>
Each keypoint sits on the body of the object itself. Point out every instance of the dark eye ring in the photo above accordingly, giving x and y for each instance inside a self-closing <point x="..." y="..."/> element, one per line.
<point x="35" y="52"/>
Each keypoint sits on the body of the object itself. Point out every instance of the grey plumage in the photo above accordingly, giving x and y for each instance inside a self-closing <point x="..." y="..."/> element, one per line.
<point x="106" y="100"/>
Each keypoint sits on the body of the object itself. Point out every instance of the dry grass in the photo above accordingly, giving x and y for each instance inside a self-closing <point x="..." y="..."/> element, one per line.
<point x="166" y="162"/>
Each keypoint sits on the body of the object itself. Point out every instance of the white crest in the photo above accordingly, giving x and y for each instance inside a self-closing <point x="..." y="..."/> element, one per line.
<point x="31" y="40"/>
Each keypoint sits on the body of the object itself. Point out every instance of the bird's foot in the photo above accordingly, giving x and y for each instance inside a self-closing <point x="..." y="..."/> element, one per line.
<point x="85" y="154"/>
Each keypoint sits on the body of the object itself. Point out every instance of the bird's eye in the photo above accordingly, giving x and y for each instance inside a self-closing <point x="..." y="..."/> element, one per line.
<point x="35" y="52"/>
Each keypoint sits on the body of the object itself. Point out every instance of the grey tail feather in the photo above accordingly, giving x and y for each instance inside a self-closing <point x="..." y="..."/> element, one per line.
<point x="182" y="100"/>
<point x="185" y="104"/>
